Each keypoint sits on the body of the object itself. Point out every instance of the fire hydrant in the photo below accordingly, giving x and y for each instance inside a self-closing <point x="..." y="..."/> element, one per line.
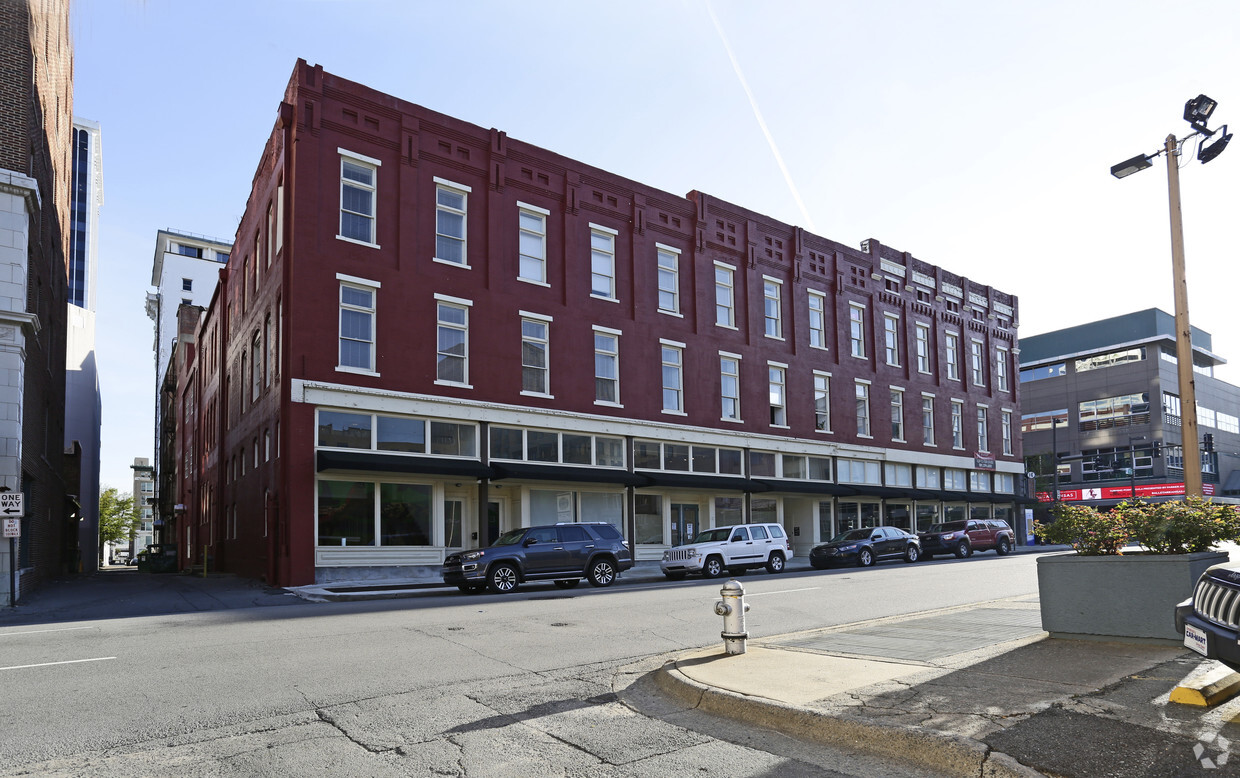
<point x="732" y="608"/>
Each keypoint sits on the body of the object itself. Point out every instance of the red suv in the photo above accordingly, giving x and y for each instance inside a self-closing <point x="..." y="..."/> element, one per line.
<point x="962" y="538"/>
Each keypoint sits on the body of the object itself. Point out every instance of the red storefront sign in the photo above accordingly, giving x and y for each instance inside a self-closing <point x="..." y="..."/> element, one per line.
<point x="1123" y="492"/>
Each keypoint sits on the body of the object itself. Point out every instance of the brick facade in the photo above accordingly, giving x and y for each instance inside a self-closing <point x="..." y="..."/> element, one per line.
<point x="438" y="257"/>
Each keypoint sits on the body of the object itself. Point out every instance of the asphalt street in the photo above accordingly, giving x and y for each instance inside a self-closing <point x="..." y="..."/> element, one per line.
<point x="225" y="678"/>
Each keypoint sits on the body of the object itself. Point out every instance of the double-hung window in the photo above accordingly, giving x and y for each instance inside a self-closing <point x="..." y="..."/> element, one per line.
<point x="669" y="278"/>
<point x="952" y="342"/>
<point x="602" y="262"/>
<point x="730" y="386"/>
<point x="673" y="376"/>
<point x="1001" y="369"/>
<point x="1005" y="429"/>
<point x="923" y="347"/>
<point x="257" y="366"/>
<point x="535" y="375"/>
<point x="451" y="202"/>
<point x="822" y="401"/>
<point x="777" y="375"/>
<point x="725" y="295"/>
<point x="897" y="414"/>
<point x="957" y="424"/>
<point x="532" y="243"/>
<point x="452" y="337"/>
<point x="977" y="353"/>
<point x="772" y="314"/>
<point x="927" y="420"/>
<point x="983" y="429"/>
<point x="891" y="338"/>
<point x="856" y="329"/>
<point x="606" y="366"/>
<point x="817" y="320"/>
<point x="357" y="324"/>
<point x="358" y="192"/>
<point x="863" y="408"/>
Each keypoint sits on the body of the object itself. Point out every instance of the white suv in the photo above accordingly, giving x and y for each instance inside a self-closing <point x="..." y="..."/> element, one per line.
<point x="735" y="548"/>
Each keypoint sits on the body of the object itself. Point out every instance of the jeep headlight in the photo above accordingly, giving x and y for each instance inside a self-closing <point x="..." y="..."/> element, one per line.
<point x="470" y="556"/>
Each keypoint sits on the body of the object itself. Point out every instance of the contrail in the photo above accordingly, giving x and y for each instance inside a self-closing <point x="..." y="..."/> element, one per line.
<point x="753" y="103"/>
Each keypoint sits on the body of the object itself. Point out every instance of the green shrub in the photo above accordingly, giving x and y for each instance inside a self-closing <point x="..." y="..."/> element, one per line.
<point x="1180" y="527"/>
<point x="1088" y="530"/>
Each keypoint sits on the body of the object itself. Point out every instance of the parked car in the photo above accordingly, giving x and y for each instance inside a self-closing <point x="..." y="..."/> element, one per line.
<point x="734" y="548"/>
<point x="864" y="547"/>
<point x="1210" y="619"/>
<point x="965" y="536"/>
<point x="562" y="553"/>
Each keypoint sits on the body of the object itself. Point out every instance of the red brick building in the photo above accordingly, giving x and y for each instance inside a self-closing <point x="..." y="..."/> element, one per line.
<point x="36" y="129"/>
<point x="429" y="332"/>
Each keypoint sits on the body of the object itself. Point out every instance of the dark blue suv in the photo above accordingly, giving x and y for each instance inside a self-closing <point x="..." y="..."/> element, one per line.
<point x="562" y="553"/>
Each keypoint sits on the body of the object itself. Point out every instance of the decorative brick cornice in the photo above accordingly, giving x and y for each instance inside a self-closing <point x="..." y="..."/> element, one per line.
<point x="14" y="183"/>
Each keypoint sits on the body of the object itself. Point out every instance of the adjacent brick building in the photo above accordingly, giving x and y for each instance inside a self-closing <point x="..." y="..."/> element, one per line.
<point x="36" y="123"/>
<point x="429" y="332"/>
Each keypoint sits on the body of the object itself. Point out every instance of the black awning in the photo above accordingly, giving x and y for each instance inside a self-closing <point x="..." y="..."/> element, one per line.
<point x="371" y="461"/>
<point x="866" y="490"/>
<point x="597" y="475"/>
<point x="696" y="481"/>
<point x="954" y="496"/>
<point x="1001" y="498"/>
<point x="806" y="487"/>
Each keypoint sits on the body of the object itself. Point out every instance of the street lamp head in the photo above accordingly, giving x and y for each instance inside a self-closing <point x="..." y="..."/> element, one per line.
<point x="1197" y="111"/>
<point x="1130" y="166"/>
<point x="1207" y="153"/>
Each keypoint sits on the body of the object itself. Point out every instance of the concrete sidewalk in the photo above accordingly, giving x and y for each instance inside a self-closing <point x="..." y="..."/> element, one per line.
<point x="978" y="690"/>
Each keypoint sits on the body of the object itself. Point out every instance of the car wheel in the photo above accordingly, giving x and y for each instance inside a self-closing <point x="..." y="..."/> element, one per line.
<point x="865" y="557"/>
<point x="775" y="564"/>
<point x="602" y="572"/>
<point x="912" y="553"/>
<point x="503" y="578"/>
<point x="567" y="583"/>
<point x="713" y="568"/>
<point x="962" y="549"/>
<point x="675" y="576"/>
<point x="1005" y="547"/>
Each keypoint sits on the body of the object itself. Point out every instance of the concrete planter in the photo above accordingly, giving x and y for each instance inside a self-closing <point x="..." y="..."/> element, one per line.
<point x="1118" y="597"/>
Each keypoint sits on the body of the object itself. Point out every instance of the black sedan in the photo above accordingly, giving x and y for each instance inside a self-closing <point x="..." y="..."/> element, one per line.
<point x="865" y="546"/>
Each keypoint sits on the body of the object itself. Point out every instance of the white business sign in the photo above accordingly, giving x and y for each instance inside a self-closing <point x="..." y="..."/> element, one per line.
<point x="12" y="505"/>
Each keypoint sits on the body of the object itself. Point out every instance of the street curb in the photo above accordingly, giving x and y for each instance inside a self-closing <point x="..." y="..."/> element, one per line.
<point x="922" y="747"/>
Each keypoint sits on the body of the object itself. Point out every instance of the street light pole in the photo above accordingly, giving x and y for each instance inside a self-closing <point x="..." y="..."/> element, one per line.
<point x="1183" y="331"/>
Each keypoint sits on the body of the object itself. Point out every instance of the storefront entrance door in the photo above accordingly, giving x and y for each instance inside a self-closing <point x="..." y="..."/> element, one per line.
<point x="685" y="525"/>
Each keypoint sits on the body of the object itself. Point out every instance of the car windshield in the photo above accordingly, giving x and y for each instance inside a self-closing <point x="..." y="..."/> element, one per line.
<point x="713" y="535"/>
<point x="948" y="526"/>
<point x="510" y="538"/>
<point x="853" y="534"/>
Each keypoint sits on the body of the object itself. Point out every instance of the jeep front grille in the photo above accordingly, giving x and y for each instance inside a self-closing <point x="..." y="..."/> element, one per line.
<point x="1218" y="603"/>
<point x="680" y="554"/>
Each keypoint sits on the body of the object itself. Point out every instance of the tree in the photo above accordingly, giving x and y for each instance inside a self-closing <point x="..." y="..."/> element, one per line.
<point x="117" y="519"/>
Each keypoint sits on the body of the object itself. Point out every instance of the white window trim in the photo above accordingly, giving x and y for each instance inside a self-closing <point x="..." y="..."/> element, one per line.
<point x="714" y="285"/>
<point x="521" y="206"/>
<point x="953" y="367"/>
<point x="358" y="281"/>
<point x="903" y="426"/>
<point x="921" y="326"/>
<point x="822" y="296"/>
<point x="1001" y="358"/>
<point x="783" y="367"/>
<point x="952" y="427"/>
<point x="616" y="334"/>
<point x="864" y="352"/>
<point x="671" y="250"/>
<point x="826" y="375"/>
<point x="740" y="418"/>
<point x="343" y="280"/>
<point x="869" y="406"/>
<point x="443" y="298"/>
<point x="615" y="282"/>
<point x="681" y="347"/>
<point x="539" y="317"/>
<point x="981" y="369"/>
<point x="374" y="217"/>
<point x="465" y="240"/>
<point x="933" y="427"/>
<point x="779" y="300"/>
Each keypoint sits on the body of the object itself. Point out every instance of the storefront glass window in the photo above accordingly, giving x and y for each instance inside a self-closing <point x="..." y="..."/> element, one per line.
<point x="346" y="513"/>
<point x="344" y="430"/>
<point x="404" y="515"/>
<point x="402" y="434"/>
<point x="648" y="515"/>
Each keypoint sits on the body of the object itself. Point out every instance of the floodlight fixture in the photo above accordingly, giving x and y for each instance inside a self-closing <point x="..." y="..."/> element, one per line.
<point x="1130" y="166"/>
<point x="1207" y="153"/>
<point x="1197" y="112"/>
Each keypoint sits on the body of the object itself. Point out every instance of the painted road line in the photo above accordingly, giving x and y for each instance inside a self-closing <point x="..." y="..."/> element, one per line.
<point x="784" y="591"/>
<point x="38" y="631"/>
<point x="69" y="662"/>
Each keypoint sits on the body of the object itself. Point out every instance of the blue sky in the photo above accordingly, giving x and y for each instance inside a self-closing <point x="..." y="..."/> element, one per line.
<point x="976" y="135"/>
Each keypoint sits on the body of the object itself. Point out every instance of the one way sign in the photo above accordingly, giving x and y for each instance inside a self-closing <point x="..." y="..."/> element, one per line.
<point x="12" y="505"/>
